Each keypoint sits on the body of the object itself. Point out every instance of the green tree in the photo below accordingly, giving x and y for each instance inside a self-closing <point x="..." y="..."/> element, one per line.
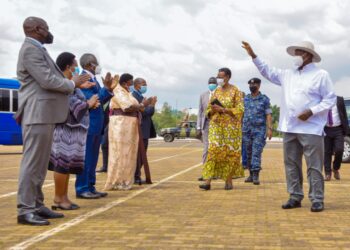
<point x="275" y="119"/>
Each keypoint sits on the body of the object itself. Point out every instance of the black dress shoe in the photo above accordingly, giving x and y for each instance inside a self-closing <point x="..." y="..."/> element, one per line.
<point x="317" y="207"/>
<point x="70" y="207"/>
<point x="46" y="213"/>
<point x="249" y="178"/>
<point x="32" y="219"/>
<point x="205" y="186"/>
<point x="201" y="178"/>
<point x="291" y="204"/>
<point x="140" y="181"/>
<point x="101" y="194"/>
<point x="88" y="195"/>
<point x="101" y="170"/>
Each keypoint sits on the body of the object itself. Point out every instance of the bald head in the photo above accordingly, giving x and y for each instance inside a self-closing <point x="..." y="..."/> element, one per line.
<point x="139" y="82"/>
<point x="37" y="28"/>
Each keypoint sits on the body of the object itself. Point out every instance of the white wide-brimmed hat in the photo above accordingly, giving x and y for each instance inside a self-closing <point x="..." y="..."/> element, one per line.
<point x="306" y="46"/>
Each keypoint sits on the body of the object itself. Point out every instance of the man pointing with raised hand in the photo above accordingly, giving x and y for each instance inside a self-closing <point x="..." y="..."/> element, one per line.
<point x="307" y="95"/>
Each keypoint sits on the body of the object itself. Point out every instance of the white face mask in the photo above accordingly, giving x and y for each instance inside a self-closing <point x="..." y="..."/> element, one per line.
<point x="298" y="61"/>
<point x="98" y="70"/>
<point x="220" y="82"/>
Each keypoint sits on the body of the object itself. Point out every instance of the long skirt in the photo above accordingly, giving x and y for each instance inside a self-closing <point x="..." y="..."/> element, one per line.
<point x="123" y="147"/>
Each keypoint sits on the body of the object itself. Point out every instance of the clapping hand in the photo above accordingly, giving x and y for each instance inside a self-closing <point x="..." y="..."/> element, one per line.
<point x="108" y="81"/>
<point x="87" y="85"/>
<point x="94" y="102"/>
<point x="153" y="101"/>
<point x="115" y="82"/>
<point x="82" y="81"/>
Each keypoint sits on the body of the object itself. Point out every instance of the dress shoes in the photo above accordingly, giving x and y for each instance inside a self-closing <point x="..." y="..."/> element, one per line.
<point x="101" y="170"/>
<point x="101" y="194"/>
<point x="46" y="213"/>
<point x="140" y="181"/>
<point x="32" y="219"/>
<point x="205" y="186"/>
<point x="88" y="195"/>
<point x="336" y="174"/>
<point x="72" y="206"/>
<point x="317" y="207"/>
<point x="291" y="204"/>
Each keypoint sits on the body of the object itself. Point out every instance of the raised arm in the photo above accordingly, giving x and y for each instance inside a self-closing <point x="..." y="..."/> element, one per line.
<point x="272" y="74"/>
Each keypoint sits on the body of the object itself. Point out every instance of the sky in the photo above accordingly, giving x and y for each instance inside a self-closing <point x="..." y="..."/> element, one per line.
<point x="177" y="45"/>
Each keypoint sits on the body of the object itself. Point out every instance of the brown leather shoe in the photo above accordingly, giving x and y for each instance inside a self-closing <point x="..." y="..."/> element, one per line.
<point x="328" y="177"/>
<point x="336" y="174"/>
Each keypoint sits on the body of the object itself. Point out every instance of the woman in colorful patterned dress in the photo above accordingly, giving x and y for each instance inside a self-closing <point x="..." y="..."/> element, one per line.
<point x="68" y="147"/>
<point x="225" y="112"/>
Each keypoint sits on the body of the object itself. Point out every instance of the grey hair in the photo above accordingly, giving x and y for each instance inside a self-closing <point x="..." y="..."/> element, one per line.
<point x="87" y="59"/>
<point x="138" y="81"/>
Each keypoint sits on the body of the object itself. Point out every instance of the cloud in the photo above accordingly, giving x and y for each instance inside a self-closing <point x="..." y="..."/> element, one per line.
<point x="176" y="45"/>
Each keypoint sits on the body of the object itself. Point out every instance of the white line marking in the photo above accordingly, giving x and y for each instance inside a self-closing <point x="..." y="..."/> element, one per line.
<point x="168" y="157"/>
<point x="83" y="217"/>
<point x="51" y="184"/>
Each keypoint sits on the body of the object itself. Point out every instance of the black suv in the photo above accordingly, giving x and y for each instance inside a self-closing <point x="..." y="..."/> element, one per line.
<point x="184" y="130"/>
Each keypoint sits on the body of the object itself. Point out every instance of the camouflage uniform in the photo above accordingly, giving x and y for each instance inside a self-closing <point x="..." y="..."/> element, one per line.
<point x="254" y="128"/>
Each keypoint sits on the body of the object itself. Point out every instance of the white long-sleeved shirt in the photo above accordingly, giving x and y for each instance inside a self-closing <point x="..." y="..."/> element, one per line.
<point x="310" y="88"/>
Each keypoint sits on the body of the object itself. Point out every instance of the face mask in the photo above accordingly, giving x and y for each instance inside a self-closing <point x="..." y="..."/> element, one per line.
<point x="298" y="61"/>
<point x="212" y="86"/>
<point x="143" y="89"/>
<point x="220" y="81"/>
<point x="48" y="38"/>
<point x="76" y="71"/>
<point x="131" y="88"/>
<point x="253" y="89"/>
<point x="98" y="70"/>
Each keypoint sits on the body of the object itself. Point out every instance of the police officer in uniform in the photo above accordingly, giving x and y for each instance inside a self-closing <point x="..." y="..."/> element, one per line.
<point x="257" y="125"/>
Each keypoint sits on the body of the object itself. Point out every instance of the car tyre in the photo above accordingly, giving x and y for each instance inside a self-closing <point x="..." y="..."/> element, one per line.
<point x="168" y="138"/>
<point x="346" y="153"/>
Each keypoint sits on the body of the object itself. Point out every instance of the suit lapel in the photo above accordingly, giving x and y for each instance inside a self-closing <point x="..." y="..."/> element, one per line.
<point x="46" y="54"/>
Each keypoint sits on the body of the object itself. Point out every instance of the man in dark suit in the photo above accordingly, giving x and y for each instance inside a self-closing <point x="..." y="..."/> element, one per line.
<point x="104" y="142"/>
<point x="85" y="182"/>
<point x="147" y="126"/>
<point x="43" y="102"/>
<point x="335" y="129"/>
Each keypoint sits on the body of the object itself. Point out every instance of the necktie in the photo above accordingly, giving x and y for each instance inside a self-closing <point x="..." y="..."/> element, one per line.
<point x="330" y="118"/>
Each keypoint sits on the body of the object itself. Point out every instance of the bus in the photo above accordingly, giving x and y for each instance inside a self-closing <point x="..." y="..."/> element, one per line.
<point x="10" y="131"/>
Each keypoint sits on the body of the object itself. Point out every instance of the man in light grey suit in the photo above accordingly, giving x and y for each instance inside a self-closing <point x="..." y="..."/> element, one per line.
<point x="43" y="102"/>
<point x="202" y="120"/>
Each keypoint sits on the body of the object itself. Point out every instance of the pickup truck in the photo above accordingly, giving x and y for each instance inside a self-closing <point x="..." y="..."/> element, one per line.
<point x="184" y="130"/>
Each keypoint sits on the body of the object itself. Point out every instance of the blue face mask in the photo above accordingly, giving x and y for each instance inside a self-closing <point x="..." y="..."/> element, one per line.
<point x="131" y="88"/>
<point x="212" y="86"/>
<point x="143" y="89"/>
<point x="76" y="71"/>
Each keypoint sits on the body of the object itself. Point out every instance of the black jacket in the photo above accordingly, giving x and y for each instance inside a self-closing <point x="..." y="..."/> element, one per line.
<point x="342" y="114"/>
<point x="147" y="126"/>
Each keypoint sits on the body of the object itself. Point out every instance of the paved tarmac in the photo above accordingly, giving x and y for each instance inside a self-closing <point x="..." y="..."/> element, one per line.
<point x="174" y="214"/>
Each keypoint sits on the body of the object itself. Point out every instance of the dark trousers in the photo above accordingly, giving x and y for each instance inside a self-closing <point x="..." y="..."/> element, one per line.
<point x="85" y="181"/>
<point x="138" y="163"/>
<point x="333" y="144"/>
<point x="104" y="148"/>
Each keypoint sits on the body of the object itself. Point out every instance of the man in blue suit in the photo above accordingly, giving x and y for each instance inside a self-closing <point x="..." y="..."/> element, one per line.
<point x="147" y="126"/>
<point x="85" y="182"/>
